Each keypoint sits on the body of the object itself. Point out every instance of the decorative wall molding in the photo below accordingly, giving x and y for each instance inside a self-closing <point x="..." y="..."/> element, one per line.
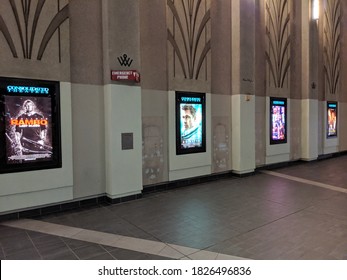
<point x="188" y="33"/>
<point x="27" y="15"/>
<point x="331" y="43"/>
<point x="278" y="40"/>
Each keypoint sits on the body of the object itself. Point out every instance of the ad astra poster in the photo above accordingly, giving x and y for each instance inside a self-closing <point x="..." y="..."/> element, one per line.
<point x="191" y="125"/>
<point x="278" y="121"/>
<point x="332" y="119"/>
<point x="28" y="129"/>
<point x="190" y="120"/>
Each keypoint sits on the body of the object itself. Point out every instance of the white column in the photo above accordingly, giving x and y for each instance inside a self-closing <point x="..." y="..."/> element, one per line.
<point x="123" y="116"/>
<point x="309" y="129"/>
<point x="243" y="99"/>
<point x="309" y="66"/>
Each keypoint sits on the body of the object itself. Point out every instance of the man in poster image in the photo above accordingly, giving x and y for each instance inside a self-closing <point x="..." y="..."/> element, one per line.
<point x="192" y="131"/>
<point x="30" y="130"/>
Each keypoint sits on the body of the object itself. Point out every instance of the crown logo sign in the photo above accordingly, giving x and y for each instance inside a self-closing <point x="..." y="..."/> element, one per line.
<point x="124" y="60"/>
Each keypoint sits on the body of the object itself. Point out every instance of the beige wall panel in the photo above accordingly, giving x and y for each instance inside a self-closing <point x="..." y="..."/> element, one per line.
<point x="296" y="56"/>
<point x="247" y="46"/>
<point x="260" y="62"/>
<point x="221" y="46"/>
<point x="261" y="132"/>
<point x="86" y="43"/>
<point x="321" y="78"/>
<point x="153" y="45"/>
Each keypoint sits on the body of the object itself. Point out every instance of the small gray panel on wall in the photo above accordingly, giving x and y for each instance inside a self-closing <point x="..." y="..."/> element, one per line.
<point x="127" y="141"/>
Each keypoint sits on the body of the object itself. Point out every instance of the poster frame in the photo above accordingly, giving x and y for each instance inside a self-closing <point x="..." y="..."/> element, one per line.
<point x="330" y="105"/>
<point x="279" y="102"/>
<point x="40" y="92"/>
<point x="197" y="99"/>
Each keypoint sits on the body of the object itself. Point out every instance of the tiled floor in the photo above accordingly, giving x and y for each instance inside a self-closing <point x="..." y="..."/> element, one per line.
<point x="296" y="212"/>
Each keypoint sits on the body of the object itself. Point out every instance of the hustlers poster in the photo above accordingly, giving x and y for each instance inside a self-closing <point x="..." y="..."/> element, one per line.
<point x="331" y="119"/>
<point x="278" y="120"/>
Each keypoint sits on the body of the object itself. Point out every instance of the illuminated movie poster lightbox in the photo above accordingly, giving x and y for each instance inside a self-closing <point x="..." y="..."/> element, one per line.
<point x="29" y="125"/>
<point x="278" y="120"/>
<point x="331" y="119"/>
<point x="190" y="123"/>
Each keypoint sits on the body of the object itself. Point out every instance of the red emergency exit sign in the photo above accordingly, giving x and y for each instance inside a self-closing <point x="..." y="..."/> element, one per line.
<point x="125" y="75"/>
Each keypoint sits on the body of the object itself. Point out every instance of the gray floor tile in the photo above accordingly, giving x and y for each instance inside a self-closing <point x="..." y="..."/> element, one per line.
<point x="75" y="244"/>
<point x="25" y="254"/>
<point x="61" y="254"/>
<point x="46" y="249"/>
<point x="89" y="252"/>
<point x="122" y="254"/>
<point x="16" y="245"/>
<point x="104" y="256"/>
